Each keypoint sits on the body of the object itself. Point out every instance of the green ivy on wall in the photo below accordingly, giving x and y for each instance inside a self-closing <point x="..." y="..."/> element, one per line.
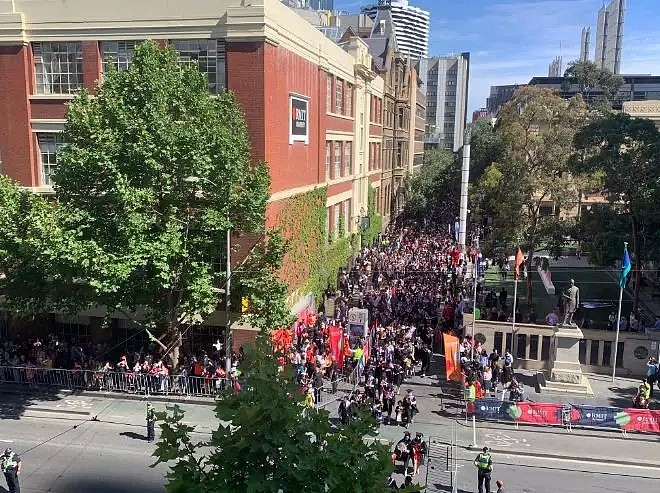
<point x="370" y="234"/>
<point x="314" y="256"/>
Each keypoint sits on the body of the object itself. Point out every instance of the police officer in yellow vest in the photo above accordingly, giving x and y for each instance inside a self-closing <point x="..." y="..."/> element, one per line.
<point x="11" y="466"/>
<point x="151" y="422"/>
<point x="484" y="466"/>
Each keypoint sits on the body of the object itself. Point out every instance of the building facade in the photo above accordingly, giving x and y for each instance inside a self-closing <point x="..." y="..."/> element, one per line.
<point x="411" y="24"/>
<point x="263" y="52"/>
<point x="446" y="81"/>
<point x="417" y="121"/>
<point x="585" y="41"/>
<point x="609" y="36"/>
<point x="499" y="96"/>
<point x="555" y="69"/>
<point x="634" y="88"/>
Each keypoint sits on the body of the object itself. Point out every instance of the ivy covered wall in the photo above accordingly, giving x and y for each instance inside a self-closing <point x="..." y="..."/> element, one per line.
<point x="313" y="255"/>
<point x="370" y="234"/>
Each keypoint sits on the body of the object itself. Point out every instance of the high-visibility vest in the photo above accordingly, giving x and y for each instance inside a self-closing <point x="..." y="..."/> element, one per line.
<point x="483" y="461"/>
<point x="9" y="462"/>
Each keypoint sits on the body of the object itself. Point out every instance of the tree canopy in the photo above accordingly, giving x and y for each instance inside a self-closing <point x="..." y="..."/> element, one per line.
<point x="153" y="174"/>
<point x="433" y="189"/>
<point x="627" y="152"/>
<point x="532" y="182"/>
<point x="266" y="441"/>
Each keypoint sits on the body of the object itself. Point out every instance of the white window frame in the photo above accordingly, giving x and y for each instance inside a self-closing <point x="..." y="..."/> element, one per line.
<point x="58" y="67"/>
<point x="210" y="57"/>
<point x="49" y="145"/>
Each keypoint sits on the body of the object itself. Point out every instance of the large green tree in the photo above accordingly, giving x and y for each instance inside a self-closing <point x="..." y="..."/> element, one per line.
<point x="588" y="76"/>
<point x="266" y="441"/>
<point x="433" y="189"/>
<point x="153" y="174"/>
<point x="627" y="153"/>
<point x="537" y="128"/>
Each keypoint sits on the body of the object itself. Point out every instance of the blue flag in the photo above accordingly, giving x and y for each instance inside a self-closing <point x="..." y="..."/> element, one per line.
<point x="625" y="268"/>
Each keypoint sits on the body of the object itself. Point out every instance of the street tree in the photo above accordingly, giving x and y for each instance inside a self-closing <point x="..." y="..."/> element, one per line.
<point x="153" y="174"/>
<point x="431" y="189"/>
<point x="627" y="152"/>
<point x="588" y="76"/>
<point x="537" y="128"/>
<point x="268" y="441"/>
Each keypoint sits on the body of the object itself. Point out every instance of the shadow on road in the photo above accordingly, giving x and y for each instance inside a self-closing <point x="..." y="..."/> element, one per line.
<point x="446" y="487"/>
<point x="17" y="399"/>
<point x="133" y="435"/>
<point x="622" y="397"/>
<point x="108" y="485"/>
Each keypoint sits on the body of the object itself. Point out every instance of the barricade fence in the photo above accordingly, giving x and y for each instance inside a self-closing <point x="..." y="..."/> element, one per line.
<point x="567" y="415"/>
<point x="114" y="381"/>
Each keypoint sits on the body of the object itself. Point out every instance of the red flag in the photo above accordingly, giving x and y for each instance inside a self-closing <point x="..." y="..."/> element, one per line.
<point x="452" y="357"/>
<point x="519" y="262"/>
<point x="336" y="335"/>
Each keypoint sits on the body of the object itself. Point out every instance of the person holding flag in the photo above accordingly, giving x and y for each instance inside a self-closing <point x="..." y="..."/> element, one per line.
<point x="623" y="278"/>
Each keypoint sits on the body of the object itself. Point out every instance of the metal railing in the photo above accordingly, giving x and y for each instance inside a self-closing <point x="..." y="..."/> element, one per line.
<point x="113" y="381"/>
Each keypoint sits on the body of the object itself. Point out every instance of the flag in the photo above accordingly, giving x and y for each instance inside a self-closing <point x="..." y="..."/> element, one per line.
<point x="452" y="357"/>
<point x="519" y="262"/>
<point x="625" y="268"/>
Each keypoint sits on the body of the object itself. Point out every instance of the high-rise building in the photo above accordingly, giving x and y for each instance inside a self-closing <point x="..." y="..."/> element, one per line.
<point x="310" y="4"/>
<point x="555" y="67"/>
<point x="584" y="44"/>
<point x="609" y="36"/>
<point x="411" y="25"/>
<point x="499" y="96"/>
<point x="446" y="81"/>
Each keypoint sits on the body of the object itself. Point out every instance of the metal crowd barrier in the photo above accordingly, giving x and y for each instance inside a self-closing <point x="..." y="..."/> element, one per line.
<point x="114" y="381"/>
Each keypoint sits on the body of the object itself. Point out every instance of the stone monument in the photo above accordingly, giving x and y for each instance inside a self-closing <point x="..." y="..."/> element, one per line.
<point x="565" y="368"/>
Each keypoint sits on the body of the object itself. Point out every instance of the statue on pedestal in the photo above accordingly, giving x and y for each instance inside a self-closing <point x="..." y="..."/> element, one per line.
<point x="571" y="302"/>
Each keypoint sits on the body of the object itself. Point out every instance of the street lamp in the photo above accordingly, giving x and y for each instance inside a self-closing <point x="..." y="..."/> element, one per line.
<point x="198" y="179"/>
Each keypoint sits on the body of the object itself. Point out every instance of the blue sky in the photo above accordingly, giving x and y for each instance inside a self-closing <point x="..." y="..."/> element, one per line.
<point x="513" y="40"/>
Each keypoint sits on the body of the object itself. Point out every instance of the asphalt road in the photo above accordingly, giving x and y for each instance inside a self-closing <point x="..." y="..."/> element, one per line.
<point x="544" y="475"/>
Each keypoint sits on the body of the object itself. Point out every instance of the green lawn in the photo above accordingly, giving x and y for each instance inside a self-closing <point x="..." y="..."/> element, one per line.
<point x="595" y="285"/>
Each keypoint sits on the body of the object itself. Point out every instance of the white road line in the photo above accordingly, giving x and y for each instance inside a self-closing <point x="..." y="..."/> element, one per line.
<point x="585" y="462"/>
<point x="7" y="441"/>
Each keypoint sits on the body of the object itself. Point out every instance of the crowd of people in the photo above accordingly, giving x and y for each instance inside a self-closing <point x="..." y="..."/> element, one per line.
<point x="59" y="361"/>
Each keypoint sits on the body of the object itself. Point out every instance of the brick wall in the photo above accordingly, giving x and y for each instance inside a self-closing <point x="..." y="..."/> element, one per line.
<point x="17" y="146"/>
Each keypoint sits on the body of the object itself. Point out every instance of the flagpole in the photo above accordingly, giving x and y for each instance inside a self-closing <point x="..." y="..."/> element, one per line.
<point x="618" y="320"/>
<point x="513" y="323"/>
<point x="475" y="278"/>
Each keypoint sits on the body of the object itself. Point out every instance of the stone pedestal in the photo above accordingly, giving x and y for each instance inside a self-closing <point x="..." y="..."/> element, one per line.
<point x="565" y="368"/>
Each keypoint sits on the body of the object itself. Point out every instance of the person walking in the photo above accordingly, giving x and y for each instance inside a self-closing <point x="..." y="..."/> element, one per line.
<point x="151" y="423"/>
<point x="484" y="465"/>
<point x="11" y="467"/>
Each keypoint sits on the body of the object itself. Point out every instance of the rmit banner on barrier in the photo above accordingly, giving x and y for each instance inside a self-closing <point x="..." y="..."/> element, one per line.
<point x="642" y="420"/>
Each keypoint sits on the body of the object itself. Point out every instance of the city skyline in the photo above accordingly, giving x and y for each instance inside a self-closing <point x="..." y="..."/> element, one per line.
<point x="512" y="41"/>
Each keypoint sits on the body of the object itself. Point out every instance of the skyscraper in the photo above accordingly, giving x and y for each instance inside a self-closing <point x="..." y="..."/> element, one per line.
<point x="609" y="36"/>
<point x="411" y="25"/>
<point x="584" y="44"/>
<point x="446" y="81"/>
<point x="555" y="68"/>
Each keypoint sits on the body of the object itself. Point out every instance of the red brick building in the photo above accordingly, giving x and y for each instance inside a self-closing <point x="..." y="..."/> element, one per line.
<point x="270" y="57"/>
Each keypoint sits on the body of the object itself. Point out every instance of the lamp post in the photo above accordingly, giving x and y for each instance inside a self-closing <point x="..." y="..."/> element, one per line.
<point x="227" y="343"/>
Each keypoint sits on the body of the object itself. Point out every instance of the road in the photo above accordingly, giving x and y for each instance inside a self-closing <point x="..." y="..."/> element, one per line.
<point x="65" y="450"/>
<point x="554" y="475"/>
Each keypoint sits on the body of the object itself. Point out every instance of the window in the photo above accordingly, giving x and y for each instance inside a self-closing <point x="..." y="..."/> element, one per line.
<point x="582" y="351"/>
<point x="117" y="53"/>
<point x="49" y="144"/>
<point x="58" y="67"/>
<point x="619" y="354"/>
<point x="347" y="215"/>
<point x="337" y="160"/>
<point x="328" y="159"/>
<point x="497" y="342"/>
<point x="349" y="99"/>
<point x="328" y="101"/>
<point x="522" y="346"/>
<point x="208" y="55"/>
<point x="337" y="208"/>
<point x="339" y="96"/>
<point x="348" y="158"/>
<point x="327" y="219"/>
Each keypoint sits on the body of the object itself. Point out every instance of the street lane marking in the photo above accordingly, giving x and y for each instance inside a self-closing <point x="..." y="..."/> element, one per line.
<point x="7" y="441"/>
<point x="500" y="439"/>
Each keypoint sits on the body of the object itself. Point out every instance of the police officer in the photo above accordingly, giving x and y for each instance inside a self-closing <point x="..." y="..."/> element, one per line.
<point x="151" y="421"/>
<point x="11" y="466"/>
<point x="484" y="466"/>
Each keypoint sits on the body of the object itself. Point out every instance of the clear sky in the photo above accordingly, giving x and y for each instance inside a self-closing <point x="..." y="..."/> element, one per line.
<point x="513" y="40"/>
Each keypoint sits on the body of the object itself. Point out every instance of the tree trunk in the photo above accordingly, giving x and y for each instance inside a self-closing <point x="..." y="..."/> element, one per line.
<point x="177" y="342"/>
<point x="636" y="265"/>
